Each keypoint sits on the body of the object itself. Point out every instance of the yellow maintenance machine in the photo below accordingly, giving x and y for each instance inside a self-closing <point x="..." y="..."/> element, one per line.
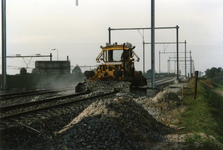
<point x="117" y="63"/>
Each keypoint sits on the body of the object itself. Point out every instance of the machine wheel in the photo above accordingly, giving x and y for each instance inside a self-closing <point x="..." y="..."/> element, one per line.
<point x="23" y="71"/>
<point x="117" y="73"/>
<point x="89" y="74"/>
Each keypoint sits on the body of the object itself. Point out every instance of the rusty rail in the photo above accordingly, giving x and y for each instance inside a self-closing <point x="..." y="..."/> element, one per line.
<point x="11" y="107"/>
<point x="30" y="93"/>
<point x="53" y="106"/>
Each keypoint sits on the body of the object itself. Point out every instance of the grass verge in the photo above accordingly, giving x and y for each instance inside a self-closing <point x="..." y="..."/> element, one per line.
<point x="203" y="115"/>
<point x="219" y="87"/>
<point x="207" y="144"/>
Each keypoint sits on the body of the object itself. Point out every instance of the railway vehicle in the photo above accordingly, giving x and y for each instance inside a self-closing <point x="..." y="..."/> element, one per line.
<point x="117" y="63"/>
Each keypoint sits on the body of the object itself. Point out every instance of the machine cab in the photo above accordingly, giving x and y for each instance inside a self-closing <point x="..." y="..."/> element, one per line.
<point x="117" y="54"/>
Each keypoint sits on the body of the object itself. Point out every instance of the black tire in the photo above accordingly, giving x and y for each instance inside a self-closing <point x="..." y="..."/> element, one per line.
<point x="143" y="81"/>
<point x="89" y="74"/>
<point x="117" y="73"/>
<point x="23" y="71"/>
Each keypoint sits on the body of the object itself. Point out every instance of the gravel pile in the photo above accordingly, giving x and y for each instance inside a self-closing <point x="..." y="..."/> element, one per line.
<point x="144" y="101"/>
<point x="113" y="123"/>
<point x="91" y="133"/>
<point x="165" y="100"/>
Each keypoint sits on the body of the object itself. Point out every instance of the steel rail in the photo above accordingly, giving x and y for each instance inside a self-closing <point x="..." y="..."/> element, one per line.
<point x="11" y="95"/>
<point x="161" y="78"/>
<point x="11" y="107"/>
<point x="52" y="106"/>
<point x="159" y="81"/>
<point x="30" y="93"/>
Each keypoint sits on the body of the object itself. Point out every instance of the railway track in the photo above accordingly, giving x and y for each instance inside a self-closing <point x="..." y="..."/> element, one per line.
<point x="16" y="110"/>
<point x="4" y="110"/>
<point x="11" y="107"/>
<point x="159" y="82"/>
<point x="30" y="93"/>
<point x="165" y="80"/>
<point x="162" y="79"/>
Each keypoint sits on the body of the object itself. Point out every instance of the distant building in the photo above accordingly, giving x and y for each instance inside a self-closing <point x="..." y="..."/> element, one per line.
<point x="52" y="67"/>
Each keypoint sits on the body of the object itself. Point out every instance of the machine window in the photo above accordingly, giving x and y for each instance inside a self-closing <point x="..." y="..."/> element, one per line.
<point x="117" y="55"/>
<point x="112" y="55"/>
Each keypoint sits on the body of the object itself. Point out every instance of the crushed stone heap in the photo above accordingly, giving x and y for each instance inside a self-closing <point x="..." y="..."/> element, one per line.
<point x="165" y="100"/>
<point x="118" y="123"/>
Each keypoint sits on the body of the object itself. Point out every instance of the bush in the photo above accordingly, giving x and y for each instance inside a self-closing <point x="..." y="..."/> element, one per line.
<point x="210" y="83"/>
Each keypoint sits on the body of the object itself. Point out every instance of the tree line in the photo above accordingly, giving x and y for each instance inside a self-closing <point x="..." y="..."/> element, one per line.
<point x="215" y="73"/>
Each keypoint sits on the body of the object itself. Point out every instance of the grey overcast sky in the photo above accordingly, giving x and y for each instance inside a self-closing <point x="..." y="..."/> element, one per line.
<point x="37" y="26"/>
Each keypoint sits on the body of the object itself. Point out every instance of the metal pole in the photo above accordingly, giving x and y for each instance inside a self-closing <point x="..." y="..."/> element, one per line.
<point x="142" y="28"/>
<point x="168" y="66"/>
<point x="174" y="63"/>
<point x="153" y="44"/>
<point x="190" y="63"/>
<point x="171" y="52"/>
<point x="143" y="55"/>
<point x="159" y="61"/>
<point x="177" y="53"/>
<point x="51" y="56"/>
<point x="165" y="43"/>
<point x="195" y="84"/>
<point x="185" y="59"/>
<point x="57" y="54"/>
<point x="109" y="35"/>
<point x="3" y="44"/>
